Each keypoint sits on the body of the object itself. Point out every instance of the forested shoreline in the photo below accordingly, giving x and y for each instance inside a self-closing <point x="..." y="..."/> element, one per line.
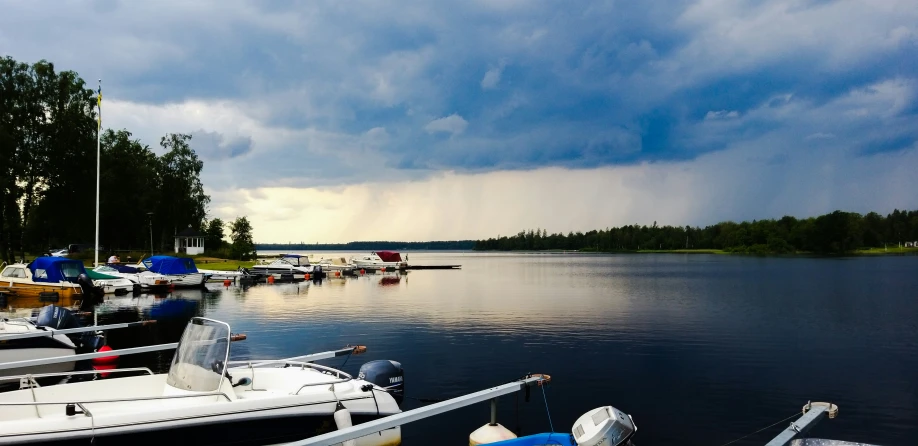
<point x="838" y="232"/>
<point x="48" y="135"/>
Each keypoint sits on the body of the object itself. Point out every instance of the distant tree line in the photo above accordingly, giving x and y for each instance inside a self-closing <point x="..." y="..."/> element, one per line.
<point x="370" y="246"/>
<point x="835" y="233"/>
<point x="48" y="131"/>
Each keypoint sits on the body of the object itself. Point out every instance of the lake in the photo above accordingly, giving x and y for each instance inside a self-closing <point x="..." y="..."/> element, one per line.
<point x="699" y="349"/>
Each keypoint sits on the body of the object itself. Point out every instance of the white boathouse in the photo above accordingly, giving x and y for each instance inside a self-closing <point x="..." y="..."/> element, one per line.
<point x="189" y="242"/>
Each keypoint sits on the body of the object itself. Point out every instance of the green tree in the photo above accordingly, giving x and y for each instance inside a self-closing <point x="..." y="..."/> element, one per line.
<point x="213" y="235"/>
<point x="241" y="233"/>
<point x="183" y="201"/>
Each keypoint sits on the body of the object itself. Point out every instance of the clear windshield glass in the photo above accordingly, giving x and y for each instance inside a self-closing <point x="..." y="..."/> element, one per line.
<point x="71" y="270"/>
<point x="200" y="359"/>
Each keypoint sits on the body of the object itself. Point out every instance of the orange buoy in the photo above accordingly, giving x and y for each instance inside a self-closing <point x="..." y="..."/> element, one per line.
<point x="270" y="279"/>
<point x="362" y="271"/>
<point x="227" y="282"/>
<point x="337" y="273"/>
<point x="306" y="277"/>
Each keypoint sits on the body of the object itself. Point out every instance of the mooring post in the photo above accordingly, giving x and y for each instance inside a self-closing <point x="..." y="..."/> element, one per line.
<point x="493" y="412"/>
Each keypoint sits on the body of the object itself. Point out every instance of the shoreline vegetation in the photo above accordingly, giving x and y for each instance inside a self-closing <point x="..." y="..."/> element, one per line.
<point x="50" y="124"/>
<point x="836" y="233"/>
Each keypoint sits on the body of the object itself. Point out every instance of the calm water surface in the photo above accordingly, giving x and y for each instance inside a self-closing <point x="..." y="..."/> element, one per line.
<point x="699" y="349"/>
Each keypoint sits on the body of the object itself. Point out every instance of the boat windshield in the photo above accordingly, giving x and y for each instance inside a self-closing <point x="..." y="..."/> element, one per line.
<point x="200" y="359"/>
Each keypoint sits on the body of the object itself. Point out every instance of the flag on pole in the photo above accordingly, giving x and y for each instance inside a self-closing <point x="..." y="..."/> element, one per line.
<point x="99" y="103"/>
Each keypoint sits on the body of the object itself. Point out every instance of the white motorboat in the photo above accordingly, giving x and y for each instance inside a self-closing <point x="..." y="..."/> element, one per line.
<point x="389" y="260"/>
<point x="24" y="339"/>
<point x="337" y="266"/>
<point x="145" y="279"/>
<point x="206" y="397"/>
<point x="110" y="284"/>
<point x="290" y="264"/>
<point x="51" y="346"/>
<point x="181" y="271"/>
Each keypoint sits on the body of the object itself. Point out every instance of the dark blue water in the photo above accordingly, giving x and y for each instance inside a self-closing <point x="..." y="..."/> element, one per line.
<point x="699" y="349"/>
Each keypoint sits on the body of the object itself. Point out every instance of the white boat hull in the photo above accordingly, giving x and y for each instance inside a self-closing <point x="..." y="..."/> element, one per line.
<point x="378" y="265"/>
<point x="187" y="280"/>
<point x="114" y="286"/>
<point x="268" y="416"/>
<point x="25" y="354"/>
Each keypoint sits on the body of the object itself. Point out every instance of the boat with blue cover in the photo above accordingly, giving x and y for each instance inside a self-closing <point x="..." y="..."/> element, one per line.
<point x="45" y="280"/>
<point x="181" y="271"/>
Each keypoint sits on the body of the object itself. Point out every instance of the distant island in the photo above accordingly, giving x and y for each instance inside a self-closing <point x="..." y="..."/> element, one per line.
<point x="370" y="246"/>
<point x="836" y="233"/>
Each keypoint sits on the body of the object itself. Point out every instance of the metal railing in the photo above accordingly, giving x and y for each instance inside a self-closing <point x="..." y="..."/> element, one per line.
<point x="80" y="357"/>
<point x="75" y="372"/>
<point x="392" y="421"/>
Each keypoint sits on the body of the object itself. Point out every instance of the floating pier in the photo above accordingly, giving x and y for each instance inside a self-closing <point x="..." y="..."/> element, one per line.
<point x="415" y="267"/>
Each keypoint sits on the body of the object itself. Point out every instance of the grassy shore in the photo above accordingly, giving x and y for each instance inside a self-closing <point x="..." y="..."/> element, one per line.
<point x="681" y="251"/>
<point x="224" y="264"/>
<point x="886" y="251"/>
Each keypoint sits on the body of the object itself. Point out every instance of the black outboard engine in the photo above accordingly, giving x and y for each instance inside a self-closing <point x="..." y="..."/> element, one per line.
<point x="93" y="293"/>
<point x="386" y="374"/>
<point x="61" y="318"/>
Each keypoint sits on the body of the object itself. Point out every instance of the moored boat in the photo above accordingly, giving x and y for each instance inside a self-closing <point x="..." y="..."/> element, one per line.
<point x="110" y="284"/>
<point x="290" y="264"/>
<point x="146" y="279"/>
<point x="338" y="265"/>
<point x="25" y="339"/>
<point x="181" y="271"/>
<point x="206" y="397"/>
<point x="389" y="260"/>
<point x="45" y="280"/>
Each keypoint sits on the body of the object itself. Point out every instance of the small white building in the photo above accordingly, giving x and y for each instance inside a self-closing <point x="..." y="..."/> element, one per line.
<point x="189" y="242"/>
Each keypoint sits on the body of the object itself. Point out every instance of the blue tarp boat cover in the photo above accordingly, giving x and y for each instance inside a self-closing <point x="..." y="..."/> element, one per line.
<point x="124" y="268"/>
<point x="56" y="269"/>
<point x="170" y="265"/>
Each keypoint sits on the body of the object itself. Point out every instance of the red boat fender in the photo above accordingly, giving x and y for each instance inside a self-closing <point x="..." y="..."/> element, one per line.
<point x="105" y="360"/>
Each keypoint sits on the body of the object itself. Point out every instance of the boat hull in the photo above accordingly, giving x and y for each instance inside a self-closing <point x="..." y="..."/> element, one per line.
<point x="314" y="273"/>
<point x="389" y="266"/>
<point x="187" y="280"/>
<point x="222" y="431"/>
<point x="34" y="295"/>
<point x="25" y="354"/>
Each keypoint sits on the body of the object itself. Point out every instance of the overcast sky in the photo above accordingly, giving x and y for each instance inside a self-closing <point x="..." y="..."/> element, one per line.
<point x="351" y="120"/>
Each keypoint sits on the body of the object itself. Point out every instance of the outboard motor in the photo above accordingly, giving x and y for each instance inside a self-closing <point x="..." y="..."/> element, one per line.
<point x="386" y="374"/>
<point x="61" y="318"/>
<point x="604" y="426"/>
<point x="57" y="317"/>
<point x="89" y="289"/>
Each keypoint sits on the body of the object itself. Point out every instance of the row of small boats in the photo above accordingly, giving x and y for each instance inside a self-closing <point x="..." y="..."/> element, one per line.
<point x="338" y="266"/>
<point x="63" y="281"/>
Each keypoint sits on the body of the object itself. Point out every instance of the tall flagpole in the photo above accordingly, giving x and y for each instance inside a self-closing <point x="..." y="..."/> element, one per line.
<point x="98" y="169"/>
